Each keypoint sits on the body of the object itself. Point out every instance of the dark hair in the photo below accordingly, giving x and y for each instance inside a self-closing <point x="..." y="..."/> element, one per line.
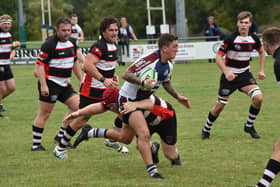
<point x="271" y="35"/>
<point x="245" y="14"/>
<point x="62" y="20"/>
<point x="106" y="22"/>
<point x="166" y="39"/>
<point x="74" y="15"/>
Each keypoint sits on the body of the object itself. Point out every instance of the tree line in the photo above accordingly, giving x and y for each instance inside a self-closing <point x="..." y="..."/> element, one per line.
<point x="90" y="12"/>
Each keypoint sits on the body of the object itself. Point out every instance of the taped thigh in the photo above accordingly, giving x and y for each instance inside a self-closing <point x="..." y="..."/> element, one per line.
<point x="255" y="91"/>
<point x="222" y="100"/>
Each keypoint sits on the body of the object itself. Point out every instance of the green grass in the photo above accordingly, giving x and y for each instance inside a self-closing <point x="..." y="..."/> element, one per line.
<point x="229" y="159"/>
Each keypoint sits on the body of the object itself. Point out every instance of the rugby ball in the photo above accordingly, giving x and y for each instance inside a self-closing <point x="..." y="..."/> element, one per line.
<point x="145" y="75"/>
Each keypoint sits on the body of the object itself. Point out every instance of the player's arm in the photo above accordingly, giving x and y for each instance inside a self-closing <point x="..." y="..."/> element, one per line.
<point x="131" y="106"/>
<point x="77" y="70"/>
<point x="81" y="36"/>
<point x="131" y="77"/>
<point x="80" y="58"/>
<point x="90" y="67"/>
<point x="221" y="64"/>
<point x="39" y="72"/>
<point x="92" y="109"/>
<point x="171" y="90"/>
<point x="261" y="74"/>
<point x="12" y="54"/>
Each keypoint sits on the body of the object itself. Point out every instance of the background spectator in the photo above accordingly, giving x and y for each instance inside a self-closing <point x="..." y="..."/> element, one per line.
<point x="212" y="31"/>
<point x="77" y="32"/>
<point x="125" y="35"/>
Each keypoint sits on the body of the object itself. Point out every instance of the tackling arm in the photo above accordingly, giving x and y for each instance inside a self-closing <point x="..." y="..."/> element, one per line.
<point x="89" y="110"/>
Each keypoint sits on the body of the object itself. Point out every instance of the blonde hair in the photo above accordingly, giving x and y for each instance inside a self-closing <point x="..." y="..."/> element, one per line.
<point x="6" y="17"/>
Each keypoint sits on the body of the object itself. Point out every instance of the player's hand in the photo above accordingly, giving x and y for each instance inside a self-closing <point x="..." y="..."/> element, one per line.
<point x="149" y="84"/>
<point x="184" y="101"/>
<point x="261" y="75"/>
<point x="116" y="78"/>
<point x="230" y="76"/>
<point x="44" y="90"/>
<point x="128" y="107"/>
<point x="16" y="44"/>
<point x="71" y="116"/>
<point x="110" y="82"/>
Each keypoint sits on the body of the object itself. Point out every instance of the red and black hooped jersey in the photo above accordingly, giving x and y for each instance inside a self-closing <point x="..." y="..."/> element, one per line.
<point x="107" y="53"/>
<point x="58" y="58"/>
<point x="238" y="51"/>
<point x="162" y="111"/>
<point x="6" y="40"/>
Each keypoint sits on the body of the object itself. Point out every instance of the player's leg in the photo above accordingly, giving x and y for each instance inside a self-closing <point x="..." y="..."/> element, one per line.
<point x="10" y="87"/>
<point x="256" y="95"/>
<point x="124" y="135"/>
<point x="2" y="94"/>
<point x="138" y="123"/>
<point x="167" y="130"/>
<point x="226" y="88"/>
<point x="7" y="83"/>
<point x="71" y="100"/>
<point x="46" y="105"/>
<point x="113" y="143"/>
<point x="171" y="153"/>
<point x="272" y="168"/>
<point x="43" y="114"/>
<point x="213" y="115"/>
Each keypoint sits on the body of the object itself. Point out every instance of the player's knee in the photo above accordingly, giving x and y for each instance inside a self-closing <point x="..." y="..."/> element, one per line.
<point x="255" y="94"/>
<point x="170" y="153"/>
<point x="12" y="89"/>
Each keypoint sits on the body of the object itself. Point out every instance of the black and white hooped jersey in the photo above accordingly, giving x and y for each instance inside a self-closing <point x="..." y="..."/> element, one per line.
<point x="238" y="51"/>
<point x="58" y="58"/>
<point x="162" y="111"/>
<point x="107" y="54"/>
<point x="151" y="60"/>
<point x="75" y="31"/>
<point x="6" y="40"/>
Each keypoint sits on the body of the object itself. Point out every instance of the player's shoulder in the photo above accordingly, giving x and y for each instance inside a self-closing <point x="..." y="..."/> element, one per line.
<point x="50" y="42"/>
<point x="101" y="44"/>
<point x="255" y="37"/>
<point x="231" y="37"/>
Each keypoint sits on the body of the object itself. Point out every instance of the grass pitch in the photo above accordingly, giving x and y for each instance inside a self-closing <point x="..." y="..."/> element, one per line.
<point x="230" y="158"/>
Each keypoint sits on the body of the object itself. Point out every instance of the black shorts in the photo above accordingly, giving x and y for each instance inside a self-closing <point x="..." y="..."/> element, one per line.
<point x="167" y="130"/>
<point x="56" y="92"/>
<point x="228" y="87"/>
<point x="5" y="72"/>
<point x="85" y="101"/>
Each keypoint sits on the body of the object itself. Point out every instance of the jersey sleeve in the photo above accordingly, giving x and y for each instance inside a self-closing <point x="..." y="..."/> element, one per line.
<point x="96" y="51"/>
<point x="45" y="54"/>
<point x="258" y="43"/>
<point x="224" y="46"/>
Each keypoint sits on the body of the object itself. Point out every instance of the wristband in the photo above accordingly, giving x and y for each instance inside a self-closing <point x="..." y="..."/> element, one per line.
<point x="102" y="79"/>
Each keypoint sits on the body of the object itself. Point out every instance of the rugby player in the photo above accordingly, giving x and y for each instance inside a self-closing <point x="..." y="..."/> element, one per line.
<point x="7" y="53"/>
<point x="271" y="43"/>
<point x="236" y="73"/>
<point x="53" y="69"/>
